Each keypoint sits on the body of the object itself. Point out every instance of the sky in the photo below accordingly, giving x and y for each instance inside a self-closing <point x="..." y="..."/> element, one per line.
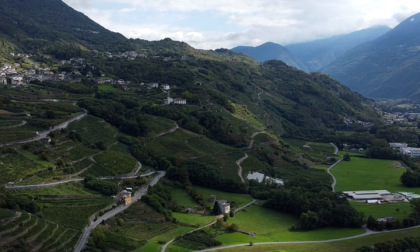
<point x="212" y="24"/>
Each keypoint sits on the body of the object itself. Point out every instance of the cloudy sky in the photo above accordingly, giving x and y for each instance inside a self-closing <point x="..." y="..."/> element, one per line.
<point x="211" y="24"/>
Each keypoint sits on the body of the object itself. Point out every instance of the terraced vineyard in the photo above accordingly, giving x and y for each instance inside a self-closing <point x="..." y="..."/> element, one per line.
<point x="21" y="231"/>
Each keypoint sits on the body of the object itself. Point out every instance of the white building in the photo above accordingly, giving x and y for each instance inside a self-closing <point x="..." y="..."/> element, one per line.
<point x="180" y="101"/>
<point x="166" y="87"/>
<point x="398" y="146"/>
<point x="367" y="195"/>
<point x="412" y="152"/>
<point x="224" y="206"/>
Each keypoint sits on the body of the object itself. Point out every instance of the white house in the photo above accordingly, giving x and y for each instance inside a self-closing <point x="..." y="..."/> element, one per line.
<point x="224" y="206"/>
<point x="166" y="87"/>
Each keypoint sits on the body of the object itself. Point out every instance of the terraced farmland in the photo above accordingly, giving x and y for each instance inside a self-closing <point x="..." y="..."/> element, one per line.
<point x="21" y="231"/>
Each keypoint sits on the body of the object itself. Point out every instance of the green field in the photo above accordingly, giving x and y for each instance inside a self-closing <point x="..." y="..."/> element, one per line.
<point x="270" y="225"/>
<point x="399" y="211"/>
<point x="369" y="174"/>
<point x="194" y="219"/>
<point x="339" y="246"/>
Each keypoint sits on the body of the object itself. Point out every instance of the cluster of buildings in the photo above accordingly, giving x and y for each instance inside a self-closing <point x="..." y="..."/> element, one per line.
<point x="350" y="122"/>
<point x="405" y="150"/>
<point x="9" y="75"/>
<point x="380" y="196"/>
<point x="260" y="178"/>
<point x="129" y="55"/>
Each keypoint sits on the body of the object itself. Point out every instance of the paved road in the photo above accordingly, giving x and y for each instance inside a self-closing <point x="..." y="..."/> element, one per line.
<point x="15" y="126"/>
<point x="336" y="149"/>
<point x="303" y="242"/>
<point x="137" y="195"/>
<point x="34" y="186"/>
<point x="332" y="166"/>
<point x="169" y="131"/>
<point x="45" y="133"/>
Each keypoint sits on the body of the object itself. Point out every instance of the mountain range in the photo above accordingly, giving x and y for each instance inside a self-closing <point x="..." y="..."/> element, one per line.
<point x="290" y="101"/>
<point x="312" y="56"/>
<point x="378" y="62"/>
<point x="387" y="67"/>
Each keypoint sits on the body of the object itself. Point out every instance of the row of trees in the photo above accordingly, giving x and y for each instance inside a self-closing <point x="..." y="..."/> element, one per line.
<point x="405" y="244"/>
<point x="102" y="186"/>
<point x="411" y="178"/>
<point x="314" y="204"/>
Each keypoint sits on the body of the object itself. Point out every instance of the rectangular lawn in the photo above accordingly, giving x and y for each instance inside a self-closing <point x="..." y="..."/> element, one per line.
<point x="369" y="174"/>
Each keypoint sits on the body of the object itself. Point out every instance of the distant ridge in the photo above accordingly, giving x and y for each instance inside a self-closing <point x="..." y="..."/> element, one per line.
<point x="270" y="51"/>
<point x="387" y="67"/>
<point x="315" y="55"/>
<point x="319" y="53"/>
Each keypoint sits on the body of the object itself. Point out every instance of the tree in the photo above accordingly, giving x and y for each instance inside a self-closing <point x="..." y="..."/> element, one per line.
<point x="216" y="209"/>
<point x="371" y="222"/>
<point x="346" y="157"/>
<point x="415" y="205"/>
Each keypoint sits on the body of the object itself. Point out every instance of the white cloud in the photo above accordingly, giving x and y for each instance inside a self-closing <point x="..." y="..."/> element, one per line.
<point x="250" y="22"/>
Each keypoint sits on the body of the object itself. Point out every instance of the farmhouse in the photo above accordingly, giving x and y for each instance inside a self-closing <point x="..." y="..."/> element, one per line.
<point x="124" y="197"/>
<point x="224" y="206"/>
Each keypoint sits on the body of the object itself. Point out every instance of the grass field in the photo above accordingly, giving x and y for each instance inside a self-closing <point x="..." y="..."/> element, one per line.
<point x="399" y="211"/>
<point x="270" y="225"/>
<point x="340" y="246"/>
<point x="369" y="174"/>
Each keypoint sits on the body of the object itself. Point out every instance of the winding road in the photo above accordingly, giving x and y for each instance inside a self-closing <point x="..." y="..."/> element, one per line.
<point x="92" y="225"/>
<point x="240" y="167"/>
<point x="34" y="186"/>
<point x="44" y="134"/>
<point x="332" y="166"/>
<point x="239" y="161"/>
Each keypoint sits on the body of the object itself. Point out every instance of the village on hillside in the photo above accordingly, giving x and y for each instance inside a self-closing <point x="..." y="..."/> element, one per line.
<point x="15" y="76"/>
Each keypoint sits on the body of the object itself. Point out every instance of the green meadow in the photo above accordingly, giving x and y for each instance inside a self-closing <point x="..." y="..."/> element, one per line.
<point x="339" y="246"/>
<point x="369" y="174"/>
<point x="399" y="211"/>
<point x="269" y="225"/>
